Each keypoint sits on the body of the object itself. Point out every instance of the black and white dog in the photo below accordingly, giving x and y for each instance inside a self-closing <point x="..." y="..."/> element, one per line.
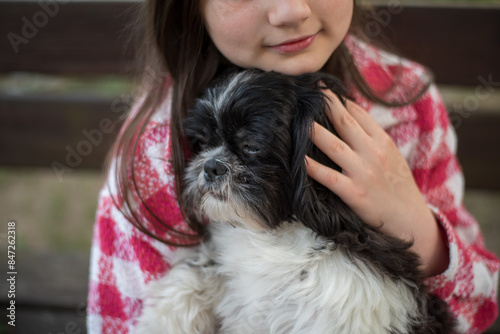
<point x="284" y="254"/>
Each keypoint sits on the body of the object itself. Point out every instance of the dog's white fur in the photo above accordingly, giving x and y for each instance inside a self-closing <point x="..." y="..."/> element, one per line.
<point x="285" y="281"/>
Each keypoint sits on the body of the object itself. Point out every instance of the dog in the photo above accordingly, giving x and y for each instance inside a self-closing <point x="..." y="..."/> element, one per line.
<point x="283" y="253"/>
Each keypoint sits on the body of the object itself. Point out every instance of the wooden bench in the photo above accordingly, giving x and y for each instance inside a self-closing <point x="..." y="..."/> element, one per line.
<point x="87" y="40"/>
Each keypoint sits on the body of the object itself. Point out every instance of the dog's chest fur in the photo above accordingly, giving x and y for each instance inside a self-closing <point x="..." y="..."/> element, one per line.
<point x="292" y="281"/>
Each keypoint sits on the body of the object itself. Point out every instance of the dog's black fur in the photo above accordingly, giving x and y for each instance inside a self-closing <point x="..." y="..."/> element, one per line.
<point x="266" y="123"/>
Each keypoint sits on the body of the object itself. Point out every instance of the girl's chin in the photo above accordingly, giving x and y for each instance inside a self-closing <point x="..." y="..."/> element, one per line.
<point x="298" y="65"/>
<point x="297" y="70"/>
<point x="290" y="64"/>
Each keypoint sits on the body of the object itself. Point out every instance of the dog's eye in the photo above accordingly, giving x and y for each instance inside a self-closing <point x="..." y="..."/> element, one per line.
<point x="200" y="142"/>
<point x="251" y="150"/>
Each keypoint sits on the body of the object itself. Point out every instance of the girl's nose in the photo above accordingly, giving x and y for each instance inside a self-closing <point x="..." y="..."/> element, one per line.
<point x="288" y="12"/>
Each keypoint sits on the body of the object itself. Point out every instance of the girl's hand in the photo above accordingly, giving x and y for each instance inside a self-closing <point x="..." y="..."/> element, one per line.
<point x="376" y="182"/>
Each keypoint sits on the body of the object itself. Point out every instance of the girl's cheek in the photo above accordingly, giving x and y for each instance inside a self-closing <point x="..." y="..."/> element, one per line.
<point x="228" y="15"/>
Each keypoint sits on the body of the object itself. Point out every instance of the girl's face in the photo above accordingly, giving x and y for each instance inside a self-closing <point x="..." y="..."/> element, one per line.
<point x="287" y="36"/>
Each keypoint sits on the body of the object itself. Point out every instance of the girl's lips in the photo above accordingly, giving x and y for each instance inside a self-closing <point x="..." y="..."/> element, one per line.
<point x="295" y="45"/>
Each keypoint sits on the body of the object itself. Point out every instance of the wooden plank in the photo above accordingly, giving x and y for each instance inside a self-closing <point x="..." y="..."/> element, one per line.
<point x="69" y="132"/>
<point x="458" y="43"/>
<point x="46" y="320"/>
<point x="80" y="37"/>
<point x="52" y="280"/>
<point x="478" y="147"/>
<point x="51" y="293"/>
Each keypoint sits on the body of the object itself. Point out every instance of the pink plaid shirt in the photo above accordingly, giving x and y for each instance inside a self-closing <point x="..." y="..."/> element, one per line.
<point x="124" y="260"/>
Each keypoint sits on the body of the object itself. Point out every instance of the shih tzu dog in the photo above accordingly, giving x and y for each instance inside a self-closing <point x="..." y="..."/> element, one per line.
<point x="283" y="253"/>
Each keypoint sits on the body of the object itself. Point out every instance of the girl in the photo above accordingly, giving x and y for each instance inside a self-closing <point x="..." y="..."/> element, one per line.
<point x="395" y="146"/>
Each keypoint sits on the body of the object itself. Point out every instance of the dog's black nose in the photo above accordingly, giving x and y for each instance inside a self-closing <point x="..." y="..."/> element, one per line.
<point x="214" y="169"/>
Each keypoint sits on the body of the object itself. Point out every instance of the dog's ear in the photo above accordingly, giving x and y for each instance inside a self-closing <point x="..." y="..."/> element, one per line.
<point x="314" y="205"/>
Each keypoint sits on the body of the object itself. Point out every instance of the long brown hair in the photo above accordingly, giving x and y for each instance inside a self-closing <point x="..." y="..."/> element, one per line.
<point x="176" y="47"/>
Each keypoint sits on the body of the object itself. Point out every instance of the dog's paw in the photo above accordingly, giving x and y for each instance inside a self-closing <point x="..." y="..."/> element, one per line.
<point x="182" y="301"/>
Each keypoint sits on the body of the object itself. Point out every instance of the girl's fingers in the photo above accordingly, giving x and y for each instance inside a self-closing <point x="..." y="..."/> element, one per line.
<point x="330" y="178"/>
<point x="344" y="123"/>
<point x="337" y="150"/>
<point x="364" y="119"/>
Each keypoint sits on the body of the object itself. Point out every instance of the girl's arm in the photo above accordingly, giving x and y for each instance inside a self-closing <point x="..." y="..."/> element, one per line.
<point x="423" y="204"/>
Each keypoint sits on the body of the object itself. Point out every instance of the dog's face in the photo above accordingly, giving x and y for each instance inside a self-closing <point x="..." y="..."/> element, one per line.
<point x="249" y="135"/>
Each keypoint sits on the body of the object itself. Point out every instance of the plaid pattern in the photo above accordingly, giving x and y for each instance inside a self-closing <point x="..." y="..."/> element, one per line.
<point x="123" y="260"/>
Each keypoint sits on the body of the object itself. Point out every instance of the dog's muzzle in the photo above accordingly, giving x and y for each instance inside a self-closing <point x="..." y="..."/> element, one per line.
<point x="214" y="169"/>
